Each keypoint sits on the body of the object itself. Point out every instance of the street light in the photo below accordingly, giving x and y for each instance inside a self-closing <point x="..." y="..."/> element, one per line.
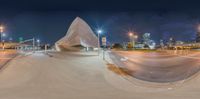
<point x="38" y="40"/>
<point x="3" y="37"/>
<point x="1" y="31"/>
<point x="135" y="36"/>
<point x="99" y="32"/>
<point x="3" y="34"/>
<point x="38" y="43"/>
<point x="1" y="28"/>
<point x="130" y="34"/>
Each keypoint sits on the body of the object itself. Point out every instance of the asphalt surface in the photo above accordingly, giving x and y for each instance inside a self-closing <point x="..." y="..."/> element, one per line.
<point x="6" y="56"/>
<point x="78" y="75"/>
<point x="162" y="67"/>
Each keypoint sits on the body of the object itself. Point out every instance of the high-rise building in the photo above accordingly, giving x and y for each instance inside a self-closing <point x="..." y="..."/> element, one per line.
<point x="148" y="42"/>
<point x="171" y="42"/>
<point x="146" y="38"/>
<point x="162" y="44"/>
<point x="198" y="37"/>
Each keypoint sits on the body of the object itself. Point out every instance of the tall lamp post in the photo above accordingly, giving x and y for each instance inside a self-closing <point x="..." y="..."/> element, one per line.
<point x="3" y="37"/>
<point x="1" y="31"/>
<point x="3" y="40"/>
<point x="38" y="43"/>
<point x="99" y="32"/>
<point x="133" y="37"/>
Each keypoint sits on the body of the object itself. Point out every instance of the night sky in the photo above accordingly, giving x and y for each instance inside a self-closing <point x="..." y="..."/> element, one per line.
<point x="49" y="20"/>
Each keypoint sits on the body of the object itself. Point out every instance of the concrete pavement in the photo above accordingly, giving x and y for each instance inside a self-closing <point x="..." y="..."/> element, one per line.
<point x="159" y="67"/>
<point x="6" y="56"/>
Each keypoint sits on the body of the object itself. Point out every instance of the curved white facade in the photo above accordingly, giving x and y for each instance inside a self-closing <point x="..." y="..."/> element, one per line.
<point x="79" y="33"/>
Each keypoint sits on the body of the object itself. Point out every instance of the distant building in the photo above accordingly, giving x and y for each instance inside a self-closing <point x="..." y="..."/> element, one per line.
<point x="146" y="38"/>
<point x="162" y="44"/>
<point x="139" y="45"/>
<point x="152" y="44"/>
<point x="198" y="37"/>
<point x="179" y="42"/>
<point x="171" y="42"/>
<point x="148" y="42"/>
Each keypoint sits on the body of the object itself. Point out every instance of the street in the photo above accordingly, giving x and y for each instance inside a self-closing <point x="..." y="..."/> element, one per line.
<point x="157" y="66"/>
<point x="84" y="75"/>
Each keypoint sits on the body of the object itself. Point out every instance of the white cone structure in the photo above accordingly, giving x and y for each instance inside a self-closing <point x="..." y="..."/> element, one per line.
<point x="79" y="33"/>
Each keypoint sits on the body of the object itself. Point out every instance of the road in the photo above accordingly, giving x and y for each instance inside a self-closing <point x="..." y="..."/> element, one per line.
<point x="6" y="55"/>
<point x="159" y="67"/>
<point x="81" y="75"/>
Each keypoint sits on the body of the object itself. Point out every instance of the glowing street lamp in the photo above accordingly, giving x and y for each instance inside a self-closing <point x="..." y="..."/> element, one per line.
<point x="135" y="36"/>
<point x="99" y="32"/>
<point x="38" y="42"/>
<point x="3" y="34"/>
<point x="130" y="34"/>
<point x="1" y="31"/>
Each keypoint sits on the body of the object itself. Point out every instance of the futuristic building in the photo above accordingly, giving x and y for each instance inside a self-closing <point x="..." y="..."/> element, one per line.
<point x="79" y="36"/>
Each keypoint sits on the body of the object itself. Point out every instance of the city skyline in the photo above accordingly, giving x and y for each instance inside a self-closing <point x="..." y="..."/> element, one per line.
<point x="162" y="19"/>
<point x="161" y="27"/>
